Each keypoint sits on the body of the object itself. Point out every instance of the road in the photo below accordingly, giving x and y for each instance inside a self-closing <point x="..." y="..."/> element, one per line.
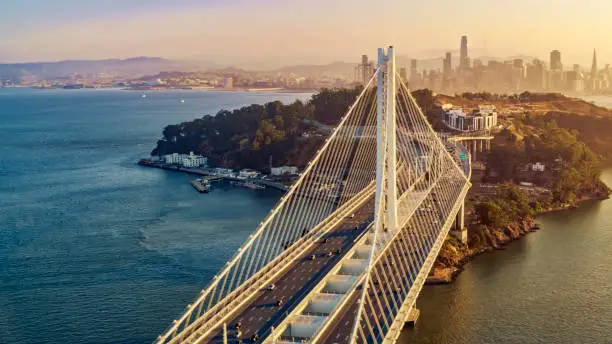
<point x="264" y="312"/>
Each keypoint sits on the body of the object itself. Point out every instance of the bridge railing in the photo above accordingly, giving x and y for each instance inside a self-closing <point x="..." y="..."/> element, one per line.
<point x="332" y="178"/>
<point x="212" y="320"/>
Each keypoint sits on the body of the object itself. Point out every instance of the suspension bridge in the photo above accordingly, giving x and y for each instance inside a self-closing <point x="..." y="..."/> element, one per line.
<point x="344" y="254"/>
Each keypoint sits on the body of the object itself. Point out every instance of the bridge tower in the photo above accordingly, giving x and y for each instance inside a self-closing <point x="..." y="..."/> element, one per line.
<point x="386" y="154"/>
<point x="346" y="251"/>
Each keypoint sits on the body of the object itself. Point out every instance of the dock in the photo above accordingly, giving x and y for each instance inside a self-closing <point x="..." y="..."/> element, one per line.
<point x="200" y="185"/>
<point x="208" y="174"/>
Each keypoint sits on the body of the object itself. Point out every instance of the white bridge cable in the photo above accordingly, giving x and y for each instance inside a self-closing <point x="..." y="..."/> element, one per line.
<point x="337" y="160"/>
<point x="306" y="199"/>
<point x="362" y="170"/>
<point x="318" y="200"/>
<point x="393" y="274"/>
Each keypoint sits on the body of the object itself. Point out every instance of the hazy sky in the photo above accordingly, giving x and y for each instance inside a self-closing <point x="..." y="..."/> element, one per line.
<point x="288" y="31"/>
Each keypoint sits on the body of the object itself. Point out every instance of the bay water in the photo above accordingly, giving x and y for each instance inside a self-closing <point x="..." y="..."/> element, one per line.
<point x="94" y="249"/>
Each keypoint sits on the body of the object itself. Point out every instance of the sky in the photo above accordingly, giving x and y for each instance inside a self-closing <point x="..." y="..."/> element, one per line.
<point x="305" y="31"/>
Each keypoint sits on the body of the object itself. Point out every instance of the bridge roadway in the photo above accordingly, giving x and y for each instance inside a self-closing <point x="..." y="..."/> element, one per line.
<point x="339" y="331"/>
<point x="263" y="312"/>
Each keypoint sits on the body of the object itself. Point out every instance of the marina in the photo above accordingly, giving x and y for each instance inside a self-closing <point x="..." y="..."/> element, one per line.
<point x="210" y="175"/>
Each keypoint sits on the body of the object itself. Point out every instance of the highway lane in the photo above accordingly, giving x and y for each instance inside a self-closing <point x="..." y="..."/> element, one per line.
<point x="340" y="329"/>
<point x="264" y="311"/>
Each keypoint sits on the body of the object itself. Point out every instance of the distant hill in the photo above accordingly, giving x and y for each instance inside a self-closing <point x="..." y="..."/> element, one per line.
<point x="141" y="66"/>
<point x="131" y="67"/>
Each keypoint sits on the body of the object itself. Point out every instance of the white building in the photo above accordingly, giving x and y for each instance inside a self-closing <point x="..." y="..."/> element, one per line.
<point x="223" y="172"/>
<point x="455" y="118"/>
<point x="279" y="171"/>
<point x="247" y="174"/>
<point x="538" y="167"/>
<point x="186" y="160"/>
<point x="483" y="118"/>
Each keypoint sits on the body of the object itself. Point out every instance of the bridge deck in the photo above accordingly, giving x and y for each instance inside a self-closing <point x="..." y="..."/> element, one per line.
<point x="262" y="312"/>
<point x="342" y="325"/>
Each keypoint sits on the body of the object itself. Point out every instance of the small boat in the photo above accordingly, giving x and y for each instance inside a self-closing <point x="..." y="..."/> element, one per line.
<point x="201" y="185"/>
<point x="143" y="96"/>
<point x="182" y="100"/>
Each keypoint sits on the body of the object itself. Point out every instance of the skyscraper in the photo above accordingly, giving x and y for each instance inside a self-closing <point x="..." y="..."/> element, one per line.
<point x="593" y="82"/>
<point x="555" y="60"/>
<point x="415" y="78"/>
<point x="464" y="60"/>
<point x="594" y="65"/>
<point x="448" y="64"/>
<point x="536" y="75"/>
<point x="447" y="69"/>
<point x="402" y="74"/>
<point x="364" y="71"/>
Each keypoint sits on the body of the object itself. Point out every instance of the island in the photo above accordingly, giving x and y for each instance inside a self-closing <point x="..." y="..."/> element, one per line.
<point x="546" y="155"/>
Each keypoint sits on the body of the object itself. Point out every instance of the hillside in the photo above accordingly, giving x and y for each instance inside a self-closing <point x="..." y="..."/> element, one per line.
<point x="136" y="66"/>
<point x="591" y="123"/>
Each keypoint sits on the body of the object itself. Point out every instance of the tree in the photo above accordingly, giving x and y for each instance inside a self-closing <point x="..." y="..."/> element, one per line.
<point x="491" y="214"/>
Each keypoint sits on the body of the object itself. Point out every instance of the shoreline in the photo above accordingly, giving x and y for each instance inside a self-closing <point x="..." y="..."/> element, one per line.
<point x="207" y="172"/>
<point x="454" y="255"/>
<point x="221" y="89"/>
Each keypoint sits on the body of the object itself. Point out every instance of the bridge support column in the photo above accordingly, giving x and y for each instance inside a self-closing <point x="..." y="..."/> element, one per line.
<point x="488" y="145"/>
<point x="460" y="231"/>
<point x="481" y="144"/>
<point x="391" y="156"/>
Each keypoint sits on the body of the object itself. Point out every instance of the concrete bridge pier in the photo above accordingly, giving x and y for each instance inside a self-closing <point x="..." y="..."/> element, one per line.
<point x="460" y="231"/>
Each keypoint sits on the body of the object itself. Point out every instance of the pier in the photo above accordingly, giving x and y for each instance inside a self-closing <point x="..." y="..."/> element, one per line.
<point x="209" y="175"/>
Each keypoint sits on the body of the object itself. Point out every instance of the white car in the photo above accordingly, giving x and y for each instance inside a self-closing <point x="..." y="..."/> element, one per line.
<point x="271" y="287"/>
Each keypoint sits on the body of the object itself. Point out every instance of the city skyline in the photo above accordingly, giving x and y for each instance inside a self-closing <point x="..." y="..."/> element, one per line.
<point x="226" y="31"/>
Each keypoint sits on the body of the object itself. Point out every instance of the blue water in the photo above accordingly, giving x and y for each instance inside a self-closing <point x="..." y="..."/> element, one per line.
<point x="94" y="249"/>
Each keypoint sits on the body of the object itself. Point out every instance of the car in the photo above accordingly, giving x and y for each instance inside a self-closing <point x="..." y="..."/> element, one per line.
<point x="279" y="302"/>
<point x="330" y="253"/>
<point x="271" y="287"/>
<point x="313" y="257"/>
<point x="352" y="216"/>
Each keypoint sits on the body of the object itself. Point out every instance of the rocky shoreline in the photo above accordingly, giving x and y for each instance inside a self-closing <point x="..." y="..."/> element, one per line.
<point x="454" y="255"/>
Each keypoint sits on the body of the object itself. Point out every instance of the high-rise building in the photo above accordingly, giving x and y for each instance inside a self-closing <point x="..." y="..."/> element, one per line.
<point x="402" y="74"/>
<point x="594" y="66"/>
<point x="555" y="61"/>
<point x="415" y="78"/>
<point x="593" y="81"/>
<point x="536" y="75"/>
<point x="464" y="60"/>
<point x="448" y="64"/>
<point x="364" y="71"/>
<point x="447" y="69"/>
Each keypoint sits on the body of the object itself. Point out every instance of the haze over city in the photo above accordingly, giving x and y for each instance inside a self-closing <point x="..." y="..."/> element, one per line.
<point x="305" y="171"/>
<point x="273" y="33"/>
